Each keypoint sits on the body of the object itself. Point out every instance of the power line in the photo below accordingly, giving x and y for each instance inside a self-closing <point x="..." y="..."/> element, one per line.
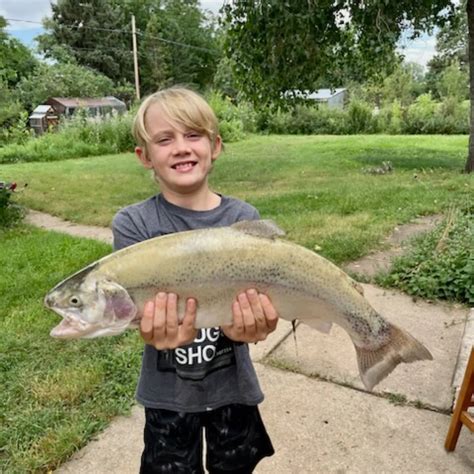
<point x="177" y="43"/>
<point x="74" y="27"/>
<point x="142" y="54"/>
<point x="143" y="35"/>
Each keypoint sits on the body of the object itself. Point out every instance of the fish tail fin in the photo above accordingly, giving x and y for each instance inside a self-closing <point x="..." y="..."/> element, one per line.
<point x="375" y="365"/>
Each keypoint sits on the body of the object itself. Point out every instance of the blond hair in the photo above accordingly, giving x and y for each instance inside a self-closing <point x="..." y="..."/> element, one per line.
<point x="181" y="106"/>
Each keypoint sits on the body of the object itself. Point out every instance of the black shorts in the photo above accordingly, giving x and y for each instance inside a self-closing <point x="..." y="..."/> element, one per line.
<point x="236" y="440"/>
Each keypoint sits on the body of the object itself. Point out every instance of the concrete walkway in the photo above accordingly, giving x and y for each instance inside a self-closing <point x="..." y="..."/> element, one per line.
<point x="318" y="414"/>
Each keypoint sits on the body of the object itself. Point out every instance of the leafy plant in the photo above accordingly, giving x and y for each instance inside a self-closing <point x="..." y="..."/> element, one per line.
<point x="10" y="212"/>
<point x="441" y="263"/>
<point x="235" y="120"/>
<point x="360" y="118"/>
<point x="78" y="137"/>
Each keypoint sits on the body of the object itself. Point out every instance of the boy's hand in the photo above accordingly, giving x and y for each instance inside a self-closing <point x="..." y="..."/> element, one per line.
<point x="254" y="317"/>
<point x="160" y="327"/>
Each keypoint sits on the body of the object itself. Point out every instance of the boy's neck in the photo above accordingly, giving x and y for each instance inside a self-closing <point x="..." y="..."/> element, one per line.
<point x="202" y="201"/>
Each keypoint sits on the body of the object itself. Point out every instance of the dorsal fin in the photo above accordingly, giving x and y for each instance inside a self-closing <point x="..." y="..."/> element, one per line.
<point x="261" y="228"/>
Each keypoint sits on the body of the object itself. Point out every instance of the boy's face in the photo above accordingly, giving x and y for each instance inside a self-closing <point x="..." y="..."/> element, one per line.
<point x="180" y="158"/>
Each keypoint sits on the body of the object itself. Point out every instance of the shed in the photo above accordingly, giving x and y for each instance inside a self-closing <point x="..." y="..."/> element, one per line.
<point x="334" y="98"/>
<point x="42" y="118"/>
<point x="95" y="106"/>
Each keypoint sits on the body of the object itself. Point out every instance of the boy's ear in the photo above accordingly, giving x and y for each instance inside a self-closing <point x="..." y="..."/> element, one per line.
<point x="217" y="148"/>
<point x="142" y="156"/>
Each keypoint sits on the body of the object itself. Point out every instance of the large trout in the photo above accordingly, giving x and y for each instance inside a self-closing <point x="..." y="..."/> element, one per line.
<point x="214" y="266"/>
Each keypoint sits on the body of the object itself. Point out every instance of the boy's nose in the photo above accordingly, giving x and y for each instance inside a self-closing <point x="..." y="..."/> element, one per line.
<point x="181" y="145"/>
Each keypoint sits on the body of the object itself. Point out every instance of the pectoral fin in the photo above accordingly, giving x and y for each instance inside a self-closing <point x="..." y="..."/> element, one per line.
<point x="319" y="324"/>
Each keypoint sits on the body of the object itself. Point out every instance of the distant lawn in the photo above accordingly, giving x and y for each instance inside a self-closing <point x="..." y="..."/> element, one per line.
<point x="315" y="187"/>
<point x="55" y="395"/>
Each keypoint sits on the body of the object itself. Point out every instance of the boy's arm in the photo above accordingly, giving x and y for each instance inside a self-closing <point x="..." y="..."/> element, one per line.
<point x="254" y="317"/>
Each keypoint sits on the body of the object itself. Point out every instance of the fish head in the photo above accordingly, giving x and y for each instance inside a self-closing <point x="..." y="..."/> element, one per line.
<point x="91" y="305"/>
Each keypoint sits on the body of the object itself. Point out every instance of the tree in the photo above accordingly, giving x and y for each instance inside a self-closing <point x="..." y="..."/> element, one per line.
<point x="451" y="47"/>
<point x="180" y="46"/>
<point x="451" y="40"/>
<point x="404" y="84"/>
<point x="279" y="46"/>
<point x="94" y="33"/>
<point x="61" y="80"/>
<point x="454" y="82"/>
<point x="16" y="60"/>
<point x="10" y="112"/>
<point x="175" y="40"/>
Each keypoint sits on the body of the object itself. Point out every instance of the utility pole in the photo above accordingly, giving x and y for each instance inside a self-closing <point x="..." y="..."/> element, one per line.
<point x="135" y="58"/>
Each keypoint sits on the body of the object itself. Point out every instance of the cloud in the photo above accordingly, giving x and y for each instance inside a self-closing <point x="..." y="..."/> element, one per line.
<point x="418" y="51"/>
<point x="30" y="10"/>
<point x="211" y="5"/>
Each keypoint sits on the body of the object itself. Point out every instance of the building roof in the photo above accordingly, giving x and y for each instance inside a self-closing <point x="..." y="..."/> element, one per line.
<point x="41" y="109"/>
<point x="109" y="101"/>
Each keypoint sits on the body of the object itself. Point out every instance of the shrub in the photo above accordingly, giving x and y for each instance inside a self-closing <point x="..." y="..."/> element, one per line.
<point x="304" y="119"/>
<point x="10" y="212"/>
<point x="440" y="264"/>
<point x="360" y="118"/>
<point x="78" y="137"/>
<point x="453" y="116"/>
<point x="391" y="118"/>
<point x="421" y="115"/>
<point x="235" y="120"/>
<point x="424" y="116"/>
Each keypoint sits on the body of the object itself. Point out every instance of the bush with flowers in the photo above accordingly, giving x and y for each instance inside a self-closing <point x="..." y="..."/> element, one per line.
<point x="10" y="212"/>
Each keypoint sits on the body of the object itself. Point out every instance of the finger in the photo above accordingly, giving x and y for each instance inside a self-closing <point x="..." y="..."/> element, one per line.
<point x="269" y="311"/>
<point x="187" y="330"/>
<point x="146" y="323"/>
<point x="257" y="309"/>
<point x="237" y="318"/>
<point x="235" y="331"/>
<point x="172" y="316"/>
<point x="159" y="320"/>
<point x="247" y="315"/>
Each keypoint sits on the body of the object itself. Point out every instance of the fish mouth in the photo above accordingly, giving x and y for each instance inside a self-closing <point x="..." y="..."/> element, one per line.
<point x="70" y="328"/>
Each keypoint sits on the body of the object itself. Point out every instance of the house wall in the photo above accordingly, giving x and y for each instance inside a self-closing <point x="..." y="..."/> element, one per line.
<point x="337" y="101"/>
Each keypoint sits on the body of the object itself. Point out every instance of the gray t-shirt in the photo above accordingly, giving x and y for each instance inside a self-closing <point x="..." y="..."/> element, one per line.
<point x="213" y="371"/>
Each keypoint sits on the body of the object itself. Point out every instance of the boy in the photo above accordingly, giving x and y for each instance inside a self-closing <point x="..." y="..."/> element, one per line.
<point x="190" y="379"/>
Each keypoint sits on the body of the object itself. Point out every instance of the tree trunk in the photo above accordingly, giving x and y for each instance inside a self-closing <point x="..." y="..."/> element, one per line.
<point x="469" y="167"/>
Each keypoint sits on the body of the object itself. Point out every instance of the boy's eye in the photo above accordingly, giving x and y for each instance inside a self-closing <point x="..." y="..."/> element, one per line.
<point x="163" y="140"/>
<point x="194" y="135"/>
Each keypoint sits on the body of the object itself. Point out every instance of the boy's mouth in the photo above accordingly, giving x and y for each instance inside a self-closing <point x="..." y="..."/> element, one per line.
<point x="184" y="166"/>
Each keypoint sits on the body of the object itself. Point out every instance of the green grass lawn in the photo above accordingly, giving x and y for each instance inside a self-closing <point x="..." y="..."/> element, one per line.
<point x="55" y="394"/>
<point x="313" y="186"/>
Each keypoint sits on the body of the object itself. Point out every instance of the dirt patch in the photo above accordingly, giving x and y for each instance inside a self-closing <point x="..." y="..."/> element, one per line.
<point x="376" y="262"/>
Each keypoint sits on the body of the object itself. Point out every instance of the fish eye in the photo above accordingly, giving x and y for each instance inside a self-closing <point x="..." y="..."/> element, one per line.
<point x="74" y="301"/>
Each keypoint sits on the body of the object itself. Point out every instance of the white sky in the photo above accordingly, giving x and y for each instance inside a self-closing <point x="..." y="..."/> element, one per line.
<point x="420" y="50"/>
